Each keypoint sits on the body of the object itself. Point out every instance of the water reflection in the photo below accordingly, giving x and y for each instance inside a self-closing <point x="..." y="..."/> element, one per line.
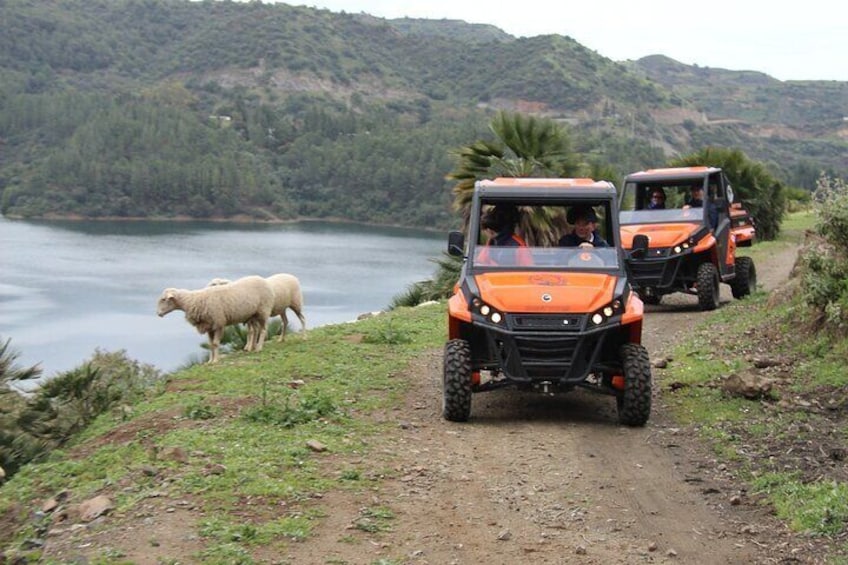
<point x="69" y="287"/>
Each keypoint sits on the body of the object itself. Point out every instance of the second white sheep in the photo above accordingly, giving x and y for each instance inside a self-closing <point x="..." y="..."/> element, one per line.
<point x="287" y="295"/>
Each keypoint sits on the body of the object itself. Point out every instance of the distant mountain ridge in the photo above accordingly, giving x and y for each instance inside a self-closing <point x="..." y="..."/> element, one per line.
<point x="296" y="90"/>
<point x="813" y="107"/>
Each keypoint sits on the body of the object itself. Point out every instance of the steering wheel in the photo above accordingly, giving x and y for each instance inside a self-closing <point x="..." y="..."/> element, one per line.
<point x="586" y="259"/>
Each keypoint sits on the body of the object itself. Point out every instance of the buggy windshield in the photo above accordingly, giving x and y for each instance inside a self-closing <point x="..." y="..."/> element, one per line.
<point x="669" y="201"/>
<point x="545" y="258"/>
<point x="658" y="216"/>
<point x="545" y="234"/>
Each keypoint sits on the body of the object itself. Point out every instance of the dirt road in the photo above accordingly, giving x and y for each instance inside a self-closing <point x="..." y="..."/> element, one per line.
<point x="537" y="479"/>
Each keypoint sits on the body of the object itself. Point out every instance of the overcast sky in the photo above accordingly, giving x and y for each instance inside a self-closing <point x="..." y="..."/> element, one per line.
<point x="800" y="40"/>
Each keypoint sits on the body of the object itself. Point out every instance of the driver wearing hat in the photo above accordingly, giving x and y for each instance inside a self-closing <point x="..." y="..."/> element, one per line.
<point x="585" y="234"/>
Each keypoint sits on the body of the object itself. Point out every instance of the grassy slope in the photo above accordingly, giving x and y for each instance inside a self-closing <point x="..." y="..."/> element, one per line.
<point x="789" y="446"/>
<point x="222" y="434"/>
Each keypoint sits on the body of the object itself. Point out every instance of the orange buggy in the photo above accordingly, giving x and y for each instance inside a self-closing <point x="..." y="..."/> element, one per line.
<point x="685" y="246"/>
<point x="545" y="317"/>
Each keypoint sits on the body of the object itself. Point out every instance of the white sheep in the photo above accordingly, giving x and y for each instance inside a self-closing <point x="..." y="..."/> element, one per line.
<point x="247" y="300"/>
<point x="287" y="295"/>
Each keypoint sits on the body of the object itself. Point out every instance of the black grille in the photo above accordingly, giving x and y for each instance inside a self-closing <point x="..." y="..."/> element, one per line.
<point x="546" y="356"/>
<point x="553" y="322"/>
<point x="647" y="270"/>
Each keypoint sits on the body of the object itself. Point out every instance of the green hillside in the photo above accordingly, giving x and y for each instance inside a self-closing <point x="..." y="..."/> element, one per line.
<point x="165" y="108"/>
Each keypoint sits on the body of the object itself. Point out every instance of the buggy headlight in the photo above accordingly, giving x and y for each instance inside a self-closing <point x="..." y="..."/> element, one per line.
<point x="681" y="248"/>
<point x="605" y="314"/>
<point x="486" y="311"/>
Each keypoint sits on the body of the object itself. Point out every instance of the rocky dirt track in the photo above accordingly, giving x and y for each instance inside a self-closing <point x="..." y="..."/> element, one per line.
<point x="536" y="479"/>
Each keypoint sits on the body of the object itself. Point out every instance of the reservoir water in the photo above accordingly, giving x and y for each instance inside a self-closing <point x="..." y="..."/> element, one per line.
<point x="69" y="287"/>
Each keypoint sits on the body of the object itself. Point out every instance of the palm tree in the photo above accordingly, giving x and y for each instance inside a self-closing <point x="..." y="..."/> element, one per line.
<point x="10" y="371"/>
<point x="14" y="446"/>
<point x="525" y="146"/>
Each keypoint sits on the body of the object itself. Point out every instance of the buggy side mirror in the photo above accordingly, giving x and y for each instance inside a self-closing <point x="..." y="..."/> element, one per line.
<point x="456" y="243"/>
<point x="640" y="246"/>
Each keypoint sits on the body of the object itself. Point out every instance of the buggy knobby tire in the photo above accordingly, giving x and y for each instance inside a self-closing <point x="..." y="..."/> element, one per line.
<point x="634" y="402"/>
<point x="708" y="290"/>
<point x="745" y="281"/>
<point x="456" y="385"/>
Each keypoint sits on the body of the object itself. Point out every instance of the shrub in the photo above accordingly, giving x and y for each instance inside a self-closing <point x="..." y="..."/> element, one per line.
<point x="831" y="198"/>
<point x="66" y="404"/>
<point x="294" y="409"/>
<point x="825" y="259"/>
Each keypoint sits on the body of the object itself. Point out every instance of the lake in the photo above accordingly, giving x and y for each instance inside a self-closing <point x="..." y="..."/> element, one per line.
<point x="69" y="287"/>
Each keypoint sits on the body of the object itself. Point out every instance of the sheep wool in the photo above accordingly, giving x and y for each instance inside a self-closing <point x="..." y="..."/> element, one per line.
<point x="248" y="300"/>
<point x="287" y="294"/>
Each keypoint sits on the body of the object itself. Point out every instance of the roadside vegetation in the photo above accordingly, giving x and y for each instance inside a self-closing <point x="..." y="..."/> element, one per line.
<point x="787" y="437"/>
<point x="282" y="426"/>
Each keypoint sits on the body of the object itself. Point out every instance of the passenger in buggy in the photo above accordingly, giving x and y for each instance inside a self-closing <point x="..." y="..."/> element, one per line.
<point x="657" y="199"/>
<point x="585" y="233"/>
<point x="499" y="226"/>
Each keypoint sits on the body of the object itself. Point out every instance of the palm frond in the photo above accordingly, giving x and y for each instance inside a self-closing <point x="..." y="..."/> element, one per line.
<point x="524" y="146"/>
<point x="10" y="371"/>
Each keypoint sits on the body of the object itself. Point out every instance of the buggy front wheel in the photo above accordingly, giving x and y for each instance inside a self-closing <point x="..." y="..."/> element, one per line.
<point x="745" y="281"/>
<point x="650" y="298"/>
<point x="708" y="290"/>
<point x="634" y="402"/>
<point x="456" y="385"/>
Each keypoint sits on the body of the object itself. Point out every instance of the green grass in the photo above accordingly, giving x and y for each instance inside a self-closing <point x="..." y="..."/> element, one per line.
<point x="818" y="509"/>
<point x="221" y="531"/>
<point x="797" y="222"/>
<point x="374" y="519"/>
<point x="791" y="232"/>
<point x="721" y="345"/>
<point x="250" y="418"/>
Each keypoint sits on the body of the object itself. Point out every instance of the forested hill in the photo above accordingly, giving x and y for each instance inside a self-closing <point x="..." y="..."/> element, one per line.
<point x="165" y="108"/>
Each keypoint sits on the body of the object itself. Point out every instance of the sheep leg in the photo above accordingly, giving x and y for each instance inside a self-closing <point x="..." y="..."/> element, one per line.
<point x="249" y="342"/>
<point x="214" y="343"/>
<point x="263" y="331"/>
<point x="252" y="334"/>
<point x="302" y="319"/>
<point x="284" y="326"/>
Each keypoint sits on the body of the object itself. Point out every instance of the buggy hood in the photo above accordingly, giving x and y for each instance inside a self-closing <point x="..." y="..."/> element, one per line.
<point x="659" y="235"/>
<point x="543" y="292"/>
